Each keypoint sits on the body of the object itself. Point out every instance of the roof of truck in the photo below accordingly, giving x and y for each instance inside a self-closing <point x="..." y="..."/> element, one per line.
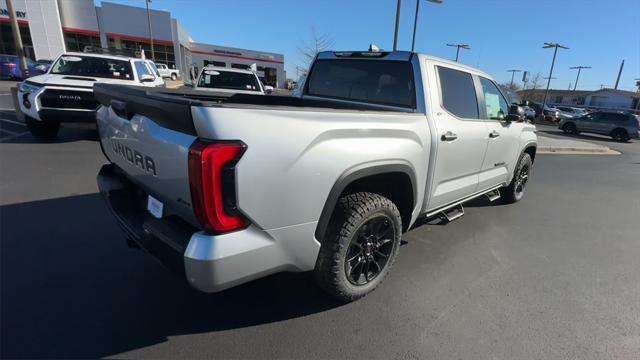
<point x="397" y="56"/>
<point x="108" y="56"/>
<point x="222" y="68"/>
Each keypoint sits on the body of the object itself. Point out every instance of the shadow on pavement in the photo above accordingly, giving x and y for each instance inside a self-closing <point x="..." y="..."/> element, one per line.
<point x="72" y="289"/>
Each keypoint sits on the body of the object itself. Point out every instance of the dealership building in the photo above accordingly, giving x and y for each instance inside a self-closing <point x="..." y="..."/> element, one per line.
<point x="51" y="27"/>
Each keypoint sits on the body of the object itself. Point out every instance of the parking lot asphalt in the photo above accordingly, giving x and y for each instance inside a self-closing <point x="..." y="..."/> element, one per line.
<point x="555" y="276"/>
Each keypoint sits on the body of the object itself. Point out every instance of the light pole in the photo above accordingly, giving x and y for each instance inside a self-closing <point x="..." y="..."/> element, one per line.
<point x="17" y="39"/>
<point x="153" y="54"/>
<point x="513" y="73"/>
<point x="555" y="51"/>
<point x="578" y="76"/>
<point x="415" y="20"/>
<point x="458" y="46"/>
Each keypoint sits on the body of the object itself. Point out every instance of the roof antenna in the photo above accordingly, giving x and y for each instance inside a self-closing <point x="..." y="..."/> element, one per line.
<point x="373" y="47"/>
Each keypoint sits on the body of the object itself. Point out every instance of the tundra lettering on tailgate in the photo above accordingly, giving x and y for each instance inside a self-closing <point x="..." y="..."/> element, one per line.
<point x="134" y="157"/>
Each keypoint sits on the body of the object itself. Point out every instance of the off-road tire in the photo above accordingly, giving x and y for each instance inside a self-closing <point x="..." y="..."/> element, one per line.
<point x="516" y="189"/>
<point x="345" y="229"/>
<point x="45" y="130"/>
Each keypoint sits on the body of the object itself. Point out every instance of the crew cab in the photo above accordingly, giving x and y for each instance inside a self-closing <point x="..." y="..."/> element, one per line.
<point x="65" y="92"/>
<point x="167" y="72"/>
<point x="227" y="188"/>
<point x="229" y="80"/>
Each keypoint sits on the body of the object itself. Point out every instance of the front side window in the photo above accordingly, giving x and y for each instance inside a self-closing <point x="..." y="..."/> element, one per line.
<point x="458" y="93"/>
<point x="92" y="66"/>
<point x="228" y="80"/>
<point x="142" y="69"/>
<point x="495" y="104"/>
<point x="379" y="82"/>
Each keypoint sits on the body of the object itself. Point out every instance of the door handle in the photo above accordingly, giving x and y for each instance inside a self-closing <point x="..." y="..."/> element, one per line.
<point x="494" y="134"/>
<point x="448" y="136"/>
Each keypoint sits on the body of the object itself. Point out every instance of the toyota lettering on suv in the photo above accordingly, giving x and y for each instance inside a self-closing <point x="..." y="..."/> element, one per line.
<point x="243" y="186"/>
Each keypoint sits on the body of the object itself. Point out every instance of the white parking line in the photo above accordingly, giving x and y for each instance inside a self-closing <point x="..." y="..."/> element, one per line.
<point x="13" y="122"/>
<point x="5" y="94"/>
<point x="7" y="109"/>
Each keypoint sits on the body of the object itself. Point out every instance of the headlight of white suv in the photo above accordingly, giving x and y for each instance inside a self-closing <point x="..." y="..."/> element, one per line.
<point x="27" y="88"/>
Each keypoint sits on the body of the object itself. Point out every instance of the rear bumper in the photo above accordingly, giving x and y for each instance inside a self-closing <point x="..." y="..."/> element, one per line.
<point x="208" y="262"/>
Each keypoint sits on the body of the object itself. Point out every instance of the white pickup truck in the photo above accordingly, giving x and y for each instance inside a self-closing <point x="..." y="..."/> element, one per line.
<point x="227" y="188"/>
<point x="167" y="72"/>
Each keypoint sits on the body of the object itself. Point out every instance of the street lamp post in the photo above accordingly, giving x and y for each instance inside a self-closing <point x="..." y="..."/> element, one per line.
<point x="555" y="51"/>
<point x="153" y="54"/>
<point x="459" y="46"/>
<point x="575" y="85"/>
<point x="415" y="20"/>
<point x="513" y="73"/>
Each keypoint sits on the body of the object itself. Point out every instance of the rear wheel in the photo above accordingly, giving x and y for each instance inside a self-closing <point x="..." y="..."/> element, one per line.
<point x="620" y="135"/>
<point x="570" y="128"/>
<point x="515" y="191"/>
<point x="46" y="130"/>
<point x="360" y="247"/>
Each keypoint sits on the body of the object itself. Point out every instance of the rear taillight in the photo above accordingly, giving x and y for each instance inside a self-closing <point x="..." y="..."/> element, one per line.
<point x="10" y="65"/>
<point x="212" y="182"/>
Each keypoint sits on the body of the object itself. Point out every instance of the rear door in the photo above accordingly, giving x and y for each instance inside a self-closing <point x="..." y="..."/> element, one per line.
<point x="462" y="136"/>
<point x="502" y="136"/>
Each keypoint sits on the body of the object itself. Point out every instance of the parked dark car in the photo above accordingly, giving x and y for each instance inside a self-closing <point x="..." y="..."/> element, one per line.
<point x="620" y="126"/>
<point x="10" y="68"/>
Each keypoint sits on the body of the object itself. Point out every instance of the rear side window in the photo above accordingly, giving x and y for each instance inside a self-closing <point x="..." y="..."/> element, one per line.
<point x="379" y="82"/>
<point x="458" y="93"/>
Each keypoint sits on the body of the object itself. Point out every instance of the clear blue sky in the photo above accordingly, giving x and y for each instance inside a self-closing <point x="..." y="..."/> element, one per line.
<point x="503" y="34"/>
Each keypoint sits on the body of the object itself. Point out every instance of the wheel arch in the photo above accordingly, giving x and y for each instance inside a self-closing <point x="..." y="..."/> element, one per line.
<point x="531" y="150"/>
<point x="396" y="181"/>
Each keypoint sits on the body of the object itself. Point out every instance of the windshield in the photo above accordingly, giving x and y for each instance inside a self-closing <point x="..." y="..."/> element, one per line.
<point x="228" y="80"/>
<point x="92" y="66"/>
<point x="154" y="67"/>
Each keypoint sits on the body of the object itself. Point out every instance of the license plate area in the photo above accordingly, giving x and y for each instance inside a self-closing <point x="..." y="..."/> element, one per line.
<point x="155" y="207"/>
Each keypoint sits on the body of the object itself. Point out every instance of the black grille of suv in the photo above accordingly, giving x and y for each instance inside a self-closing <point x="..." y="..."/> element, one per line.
<point x="68" y="99"/>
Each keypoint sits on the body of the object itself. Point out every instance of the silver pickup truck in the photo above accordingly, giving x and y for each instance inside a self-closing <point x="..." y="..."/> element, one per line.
<point x="227" y="188"/>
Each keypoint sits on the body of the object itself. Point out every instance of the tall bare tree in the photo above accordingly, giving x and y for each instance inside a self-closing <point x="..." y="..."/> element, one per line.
<point x="535" y="80"/>
<point x="316" y="43"/>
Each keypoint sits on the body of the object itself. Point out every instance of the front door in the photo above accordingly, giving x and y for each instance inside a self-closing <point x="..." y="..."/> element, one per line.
<point x="462" y="138"/>
<point x="503" y="137"/>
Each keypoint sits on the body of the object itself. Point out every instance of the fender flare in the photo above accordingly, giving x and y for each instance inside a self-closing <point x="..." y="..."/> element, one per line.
<point x="356" y="173"/>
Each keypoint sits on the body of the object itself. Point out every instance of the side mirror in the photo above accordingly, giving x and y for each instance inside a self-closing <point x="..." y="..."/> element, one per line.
<point x="268" y="89"/>
<point x="147" y="78"/>
<point x="41" y="68"/>
<point x="516" y="113"/>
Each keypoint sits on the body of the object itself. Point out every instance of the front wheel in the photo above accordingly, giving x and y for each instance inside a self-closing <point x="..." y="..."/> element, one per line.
<point x="360" y="247"/>
<point x="570" y="128"/>
<point x="174" y="77"/>
<point x="45" y="130"/>
<point x="515" y="191"/>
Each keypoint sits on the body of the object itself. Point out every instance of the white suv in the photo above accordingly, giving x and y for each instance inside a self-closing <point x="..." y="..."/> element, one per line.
<point x="65" y="92"/>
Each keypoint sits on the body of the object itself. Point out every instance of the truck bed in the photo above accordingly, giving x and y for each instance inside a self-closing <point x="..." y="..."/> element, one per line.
<point x="171" y="108"/>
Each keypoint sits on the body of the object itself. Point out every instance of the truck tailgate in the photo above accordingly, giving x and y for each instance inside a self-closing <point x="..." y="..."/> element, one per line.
<point x="152" y="156"/>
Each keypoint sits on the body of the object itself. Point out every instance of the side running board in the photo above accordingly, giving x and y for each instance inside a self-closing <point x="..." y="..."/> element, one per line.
<point x="454" y="213"/>
<point x="493" y="195"/>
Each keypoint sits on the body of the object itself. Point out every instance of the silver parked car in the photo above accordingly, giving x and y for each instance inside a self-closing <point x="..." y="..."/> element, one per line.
<point x="620" y="126"/>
